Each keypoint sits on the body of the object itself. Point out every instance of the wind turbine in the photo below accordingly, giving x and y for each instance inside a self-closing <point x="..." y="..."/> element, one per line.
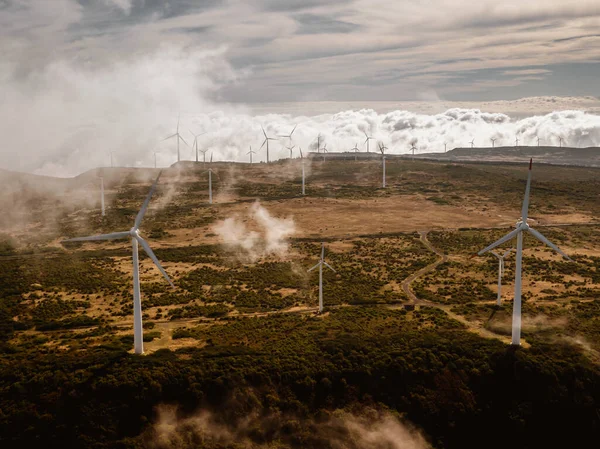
<point x="251" y="153"/>
<point x="210" y="172"/>
<point x="302" y="157"/>
<point x="367" y="140"/>
<point x="501" y="258"/>
<point x="195" y="144"/>
<point x="413" y="148"/>
<point x="289" y="136"/>
<point x="445" y="147"/>
<point x="320" y="265"/>
<point x="538" y="141"/>
<point x="517" y="142"/>
<point x="472" y="142"/>
<point x="521" y="227"/>
<point x="291" y="148"/>
<point x="136" y="238"/>
<point x="155" y="159"/>
<point x="493" y="142"/>
<point x="324" y="151"/>
<point x="356" y="150"/>
<point x="204" y="156"/>
<point x="382" y="148"/>
<point x="102" y="195"/>
<point x="111" y="159"/>
<point x="560" y="141"/>
<point x="267" y="138"/>
<point x="178" y="136"/>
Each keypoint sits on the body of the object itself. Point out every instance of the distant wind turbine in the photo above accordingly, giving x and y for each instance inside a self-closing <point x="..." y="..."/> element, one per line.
<point x="445" y="147"/>
<point x="472" y="143"/>
<point x="413" y="148"/>
<point x="178" y="137"/>
<point x="266" y="141"/>
<point x="291" y="148"/>
<point x="538" y="141"/>
<point x="155" y="159"/>
<point x="501" y="258"/>
<point x="102" y="195"/>
<point x="204" y="156"/>
<point x="367" y="140"/>
<point x="136" y="238"/>
<point x="320" y="265"/>
<point x="517" y="142"/>
<point x="521" y="227"/>
<point x="111" y="159"/>
<point x="303" y="182"/>
<point x="195" y="144"/>
<point x="356" y="150"/>
<point x="251" y="153"/>
<point x="289" y="136"/>
<point x="560" y="141"/>
<point x="382" y="149"/>
<point x="493" y="142"/>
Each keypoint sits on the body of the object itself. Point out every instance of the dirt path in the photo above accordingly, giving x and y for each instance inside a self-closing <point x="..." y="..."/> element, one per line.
<point x="406" y="287"/>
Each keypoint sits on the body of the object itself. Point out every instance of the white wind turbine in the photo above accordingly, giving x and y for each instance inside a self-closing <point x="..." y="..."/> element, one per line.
<point x="382" y="149"/>
<point x="289" y="136"/>
<point x="178" y="137"/>
<point x="445" y="144"/>
<point x="320" y="265"/>
<point x="251" y="153"/>
<point x="195" y="144"/>
<point x="517" y="142"/>
<point x="356" y="150"/>
<point x="155" y="159"/>
<point x="472" y="142"/>
<point x="413" y="148"/>
<point x="521" y="227"/>
<point x="291" y="148"/>
<point x="501" y="258"/>
<point x="538" y="141"/>
<point x="367" y="140"/>
<point x="303" y="182"/>
<point x="210" y="172"/>
<point x="102" y="195"/>
<point x="266" y="141"/>
<point x="560" y="141"/>
<point x="493" y="142"/>
<point x="136" y="238"/>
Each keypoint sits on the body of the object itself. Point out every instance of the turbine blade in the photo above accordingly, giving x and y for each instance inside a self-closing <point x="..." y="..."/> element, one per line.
<point x="140" y="215"/>
<point x="541" y="238"/>
<point x="183" y="140"/>
<point x="263" y="144"/>
<point x="495" y="254"/>
<point x="167" y="138"/>
<point x="499" y="242"/>
<point x="525" y="209"/>
<point x="263" y="130"/>
<point x="508" y="251"/>
<point x="310" y="269"/>
<point x="329" y="266"/>
<point x="154" y="259"/>
<point x="112" y="236"/>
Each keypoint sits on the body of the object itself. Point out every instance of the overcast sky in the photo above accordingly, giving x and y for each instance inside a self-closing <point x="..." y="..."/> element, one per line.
<point x="340" y="50"/>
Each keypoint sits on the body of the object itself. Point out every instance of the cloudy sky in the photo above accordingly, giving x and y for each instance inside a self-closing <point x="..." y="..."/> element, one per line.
<point x="312" y="50"/>
<point x="81" y="78"/>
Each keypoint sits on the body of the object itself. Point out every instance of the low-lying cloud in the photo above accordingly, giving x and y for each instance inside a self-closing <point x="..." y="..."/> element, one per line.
<point x="268" y="235"/>
<point x="341" y="430"/>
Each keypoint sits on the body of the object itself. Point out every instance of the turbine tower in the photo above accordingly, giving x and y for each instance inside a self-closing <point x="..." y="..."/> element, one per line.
<point x="517" y="142"/>
<point x="493" y="142"/>
<point x="178" y="137"/>
<point x="266" y="141"/>
<point x="367" y="140"/>
<point x="210" y="172"/>
<point x="413" y="148"/>
<point x="356" y="150"/>
<point x="560" y="141"/>
<point x="320" y="265"/>
<point x="501" y="258"/>
<point x="155" y="159"/>
<point x="195" y="144"/>
<point x="102" y="195"/>
<point x="382" y="149"/>
<point x="303" y="182"/>
<point x="251" y="153"/>
<point x="472" y="142"/>
<point x="445" y="147"/>
<point x="111" y="160"/>
<point x="291" y="148"/>
<point x="538" y="141"/>
<point x="521" y="227"/>
<point x="136" y="238"/>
